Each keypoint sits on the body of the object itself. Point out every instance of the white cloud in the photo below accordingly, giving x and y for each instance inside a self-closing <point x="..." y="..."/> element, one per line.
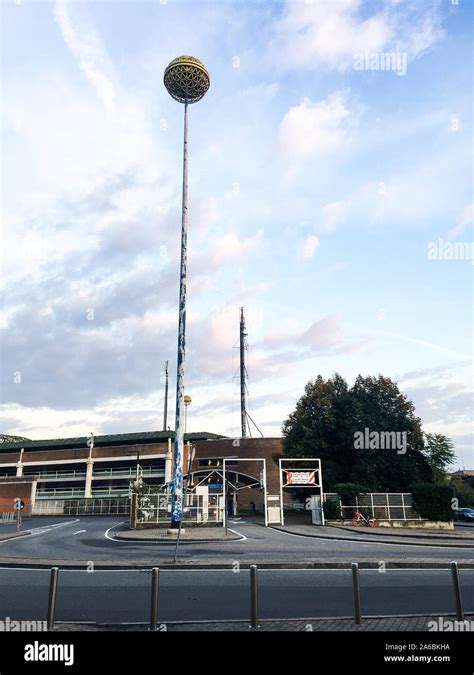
<point x="230" y="247"/>
<point x="331" y="216"/>
<point x="86" y="45"/>
<point x="466" y="220"/>
<point x="309" y="129"/>
<point x="310" y="246"/>
<point x="323" y="334"/>
<point x="329" y="33"/>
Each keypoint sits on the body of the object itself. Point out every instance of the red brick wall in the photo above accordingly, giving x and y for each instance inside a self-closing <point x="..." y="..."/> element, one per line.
<point x="15" y="487"/>
<point x="79" y="454"/>
<point x="255" y="448"/>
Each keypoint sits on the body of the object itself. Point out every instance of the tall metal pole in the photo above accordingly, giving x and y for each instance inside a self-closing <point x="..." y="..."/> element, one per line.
<point x="187" y="81"/>
<point x="165" y="414"/>
<point x="177" y="500"/>
<point x="243" y="412"/>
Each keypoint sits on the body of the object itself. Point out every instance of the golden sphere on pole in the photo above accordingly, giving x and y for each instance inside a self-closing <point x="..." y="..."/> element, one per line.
<point x="186" y="79"/>
<point x="187" y="399"/>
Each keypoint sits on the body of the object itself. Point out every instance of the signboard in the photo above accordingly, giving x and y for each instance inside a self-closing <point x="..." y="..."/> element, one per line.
<point x="301" y="477"/>
<point x="214" y="486"/>
<point x="18" y="504"/>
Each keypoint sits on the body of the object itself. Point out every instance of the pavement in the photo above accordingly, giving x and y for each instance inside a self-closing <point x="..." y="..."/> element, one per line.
<point x="408" y="624"/>
<point x="191" y="534"/>
<point x="11" y="535"/>
<point x="453" y="539"/>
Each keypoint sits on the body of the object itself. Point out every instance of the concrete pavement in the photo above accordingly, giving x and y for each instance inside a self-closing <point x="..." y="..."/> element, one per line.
<point x="408" y="624"/>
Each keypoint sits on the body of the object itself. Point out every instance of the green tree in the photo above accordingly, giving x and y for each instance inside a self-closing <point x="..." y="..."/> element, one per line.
<point x="330" y="414"/>
<point x="440" y="455"/>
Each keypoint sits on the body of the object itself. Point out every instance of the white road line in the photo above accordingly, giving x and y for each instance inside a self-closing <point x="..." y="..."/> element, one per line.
<point x="42" y="530"/>
<point x="128" y="541"/>
<point x="79" y="531"/>
<point x="106" y="534"/>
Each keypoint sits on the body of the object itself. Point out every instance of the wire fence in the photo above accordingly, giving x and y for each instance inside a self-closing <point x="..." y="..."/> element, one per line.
<point x="381" y="505"/>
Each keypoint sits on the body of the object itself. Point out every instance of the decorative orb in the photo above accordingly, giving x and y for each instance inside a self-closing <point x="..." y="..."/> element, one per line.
<point x="186" y="79"/>
<point x="187" y="399"/>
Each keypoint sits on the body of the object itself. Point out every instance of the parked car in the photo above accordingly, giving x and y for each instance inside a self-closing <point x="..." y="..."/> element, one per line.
<point x="465" y="514"/>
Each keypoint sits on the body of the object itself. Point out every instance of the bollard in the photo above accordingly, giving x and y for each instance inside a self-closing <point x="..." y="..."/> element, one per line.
<point x="155" y="577"/>
<point x="457" y="591"/>
<point x="253" y="596"/>
<point x="356" y="589"/>
<point x="53" y="587"/>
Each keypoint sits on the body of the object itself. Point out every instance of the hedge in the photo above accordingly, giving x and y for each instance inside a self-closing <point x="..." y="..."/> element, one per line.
<point x="433" y="502"/>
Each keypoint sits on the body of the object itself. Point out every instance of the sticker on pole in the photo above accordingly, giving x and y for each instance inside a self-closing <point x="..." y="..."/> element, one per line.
<point x="18" y="504"/>
<point x="300" y="477"/>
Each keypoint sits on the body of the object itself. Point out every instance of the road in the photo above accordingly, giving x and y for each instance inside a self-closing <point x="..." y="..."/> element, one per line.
<point x="90" y="539"/>
<point x="123" y="595"/>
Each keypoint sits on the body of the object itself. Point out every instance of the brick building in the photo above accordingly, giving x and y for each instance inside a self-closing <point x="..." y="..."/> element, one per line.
<point x="67" y="468"/>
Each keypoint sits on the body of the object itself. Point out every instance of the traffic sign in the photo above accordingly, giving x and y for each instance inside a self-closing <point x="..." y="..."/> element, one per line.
<point x="300" y="477"/>
<point x="18" y="504"/>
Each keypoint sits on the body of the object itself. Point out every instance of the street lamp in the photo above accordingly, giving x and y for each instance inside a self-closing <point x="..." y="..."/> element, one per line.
<point x="187" y="402"/>
<point x="186" y="80"/>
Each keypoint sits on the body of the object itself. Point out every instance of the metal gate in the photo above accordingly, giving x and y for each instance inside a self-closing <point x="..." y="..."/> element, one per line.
<point x="156" y="509"/>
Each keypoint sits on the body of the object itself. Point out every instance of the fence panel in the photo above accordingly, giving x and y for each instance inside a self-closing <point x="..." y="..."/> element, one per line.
<point x="382" y="505"/>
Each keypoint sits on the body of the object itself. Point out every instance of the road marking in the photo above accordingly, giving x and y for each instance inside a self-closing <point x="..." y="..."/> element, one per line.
<point x="79" y="531"/>
<point x="42" y="530"/>
<point x="132" y="541"/>
<point x="111" y="528"/>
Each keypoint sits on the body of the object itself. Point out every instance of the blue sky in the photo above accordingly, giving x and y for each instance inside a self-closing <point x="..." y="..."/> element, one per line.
<point x="315" y="191"/>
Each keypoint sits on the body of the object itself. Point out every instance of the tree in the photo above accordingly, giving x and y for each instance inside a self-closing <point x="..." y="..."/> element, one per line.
<point x="330" y="416"/>
<point x="440" y="455"/>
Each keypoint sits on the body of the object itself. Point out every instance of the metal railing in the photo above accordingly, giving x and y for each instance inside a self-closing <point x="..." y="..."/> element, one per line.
<point x="51" y="493"/>
<point x="75" y="474"/>
<point x="128" y="473"/>
<point x="82" y="507"/>
<point x="7" y="517"/>
<point x="382" y="505"/>
<point x="253" y="595"/>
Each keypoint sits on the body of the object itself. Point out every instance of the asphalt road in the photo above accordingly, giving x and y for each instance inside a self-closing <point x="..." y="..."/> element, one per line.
<point x="91" y="539"/>
<point x="124" y="596"/>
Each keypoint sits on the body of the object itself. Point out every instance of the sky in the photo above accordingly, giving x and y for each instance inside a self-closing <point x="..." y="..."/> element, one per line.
<point x="330" y="195"/>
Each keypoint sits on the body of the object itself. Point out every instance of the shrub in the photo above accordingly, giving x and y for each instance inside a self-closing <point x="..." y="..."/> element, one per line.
<point x="433" y="501"/>
<point x="331" y="510"/>
<point x="349" y="491"/>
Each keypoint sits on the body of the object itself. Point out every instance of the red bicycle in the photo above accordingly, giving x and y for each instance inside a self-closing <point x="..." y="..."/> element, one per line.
<point x="359" y="518"/>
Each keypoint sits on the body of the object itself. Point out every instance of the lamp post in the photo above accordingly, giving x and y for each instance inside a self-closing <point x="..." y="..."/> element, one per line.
<point x="187" y="402"/>
<point x="186" y="80"/>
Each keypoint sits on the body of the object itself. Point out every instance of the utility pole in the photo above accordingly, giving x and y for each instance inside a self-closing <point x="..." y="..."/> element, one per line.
<point x="165" y="415"/>
<point x="243" y="374"/>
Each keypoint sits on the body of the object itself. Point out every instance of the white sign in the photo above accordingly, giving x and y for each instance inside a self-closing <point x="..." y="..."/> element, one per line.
<point x="301" y="477"/>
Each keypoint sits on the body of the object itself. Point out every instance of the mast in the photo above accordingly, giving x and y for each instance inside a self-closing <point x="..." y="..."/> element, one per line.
<point x="243" y="412"/>
<point x="165" y="415"/>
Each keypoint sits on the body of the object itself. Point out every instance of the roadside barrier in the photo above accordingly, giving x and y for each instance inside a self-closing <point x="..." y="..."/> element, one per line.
<point x="253" y="596"/>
